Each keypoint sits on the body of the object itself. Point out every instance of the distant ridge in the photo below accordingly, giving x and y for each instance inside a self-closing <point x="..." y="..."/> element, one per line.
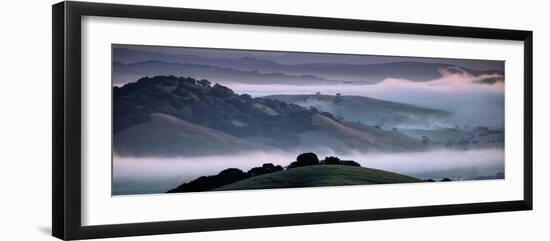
<point x="325" y="72"/>
<point x="125" y="73"/>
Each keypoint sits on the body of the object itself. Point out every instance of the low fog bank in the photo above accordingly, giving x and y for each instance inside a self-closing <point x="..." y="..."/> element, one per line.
<point x="454" y="164"/>
<point x="157" y="175"/>
<point x="471" y="102"/>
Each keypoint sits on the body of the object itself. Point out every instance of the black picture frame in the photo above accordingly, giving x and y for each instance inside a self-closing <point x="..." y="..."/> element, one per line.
<point x="66" y="167"/>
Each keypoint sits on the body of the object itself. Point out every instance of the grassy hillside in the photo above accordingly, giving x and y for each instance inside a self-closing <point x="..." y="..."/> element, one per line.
<point x="186" y="117"/>
<point x="320" y="175"/>
<point x="166" y="135"/>
<point x="387" y="138"/>
<point x="344" y="137"/>
<point x="367" y="110"/>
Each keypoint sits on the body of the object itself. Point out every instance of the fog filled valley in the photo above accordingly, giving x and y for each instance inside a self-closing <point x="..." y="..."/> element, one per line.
<point x="182" y="116"/>
<point x="157" y="175"/>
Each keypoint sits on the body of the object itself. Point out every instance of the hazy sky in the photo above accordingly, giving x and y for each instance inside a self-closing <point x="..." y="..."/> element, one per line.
<point x="300" y="58"/>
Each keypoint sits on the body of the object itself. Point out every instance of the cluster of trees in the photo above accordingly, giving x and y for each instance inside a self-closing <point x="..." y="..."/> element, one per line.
<point x="264" y="169"/>
<point x="310" y="159"/>
<point x="205" y="183"/>
<point x="213" y="106"/>
<point x="134" y="102"/>
<point x="225" y="177"/>
<point x="442" y="180"/>
<point x="232" y="175"/>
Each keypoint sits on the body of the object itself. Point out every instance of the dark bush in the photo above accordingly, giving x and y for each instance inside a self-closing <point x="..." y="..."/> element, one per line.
<point x="204" y="83"/>
<point x="330" y="160"/>
<point x="255" y="171"/>
<point x="445" y="180"/>
<point x="221" y="91"/>
<point x="305" y="159"/>
<point x="246" y="97"/>
<point x="269" y="167"/>
<point x="206" y="183"/>
<point x="231" y="175"/>
<point x="264" y="169"/>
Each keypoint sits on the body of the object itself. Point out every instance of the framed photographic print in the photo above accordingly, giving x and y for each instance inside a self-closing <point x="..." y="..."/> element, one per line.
<point x="170" y="120"/>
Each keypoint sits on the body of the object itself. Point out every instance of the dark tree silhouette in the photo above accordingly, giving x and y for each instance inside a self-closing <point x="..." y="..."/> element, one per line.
<point x="330" y="160"/>
<point x="206" y="183"/>
<point x="264" y="169"/>
<point x="204" y="83"/>
<point x="305" y="159"/>
<point x="221" y="91"/>
<point x="232" y="175"/>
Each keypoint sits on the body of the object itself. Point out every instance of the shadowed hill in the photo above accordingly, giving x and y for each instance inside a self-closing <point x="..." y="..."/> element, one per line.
<point x="204" y="117"/>
<point x="320" y="175"/>
<point x="367" y="110"/>
<point x="167" y="136"/>
<point x="214" y="106"/>
<point x="306" y="171"/>
<point x="344" y="137"/>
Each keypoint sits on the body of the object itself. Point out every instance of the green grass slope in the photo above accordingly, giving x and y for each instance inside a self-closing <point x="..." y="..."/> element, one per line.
<point x="319" y="175"/>
<point x="169" y="136"/>
<point x="367" y="110"/>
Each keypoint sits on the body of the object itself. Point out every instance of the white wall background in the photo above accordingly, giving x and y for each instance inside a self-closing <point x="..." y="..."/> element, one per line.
<point x="25" y="120"/>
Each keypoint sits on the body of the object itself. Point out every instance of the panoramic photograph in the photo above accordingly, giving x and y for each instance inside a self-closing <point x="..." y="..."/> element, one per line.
<point x="189" y="119"/>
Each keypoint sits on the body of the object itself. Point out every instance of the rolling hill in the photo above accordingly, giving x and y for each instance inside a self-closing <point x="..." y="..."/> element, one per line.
<point x="367" y="110"/>
<point x="345" y="137"/>
<point x="190" y="117"/>
<point x="166" y="135"/>
<point x="320" y="175"/>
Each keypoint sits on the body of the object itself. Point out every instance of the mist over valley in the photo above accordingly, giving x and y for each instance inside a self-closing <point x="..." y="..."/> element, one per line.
<point x="178" y="117"/>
